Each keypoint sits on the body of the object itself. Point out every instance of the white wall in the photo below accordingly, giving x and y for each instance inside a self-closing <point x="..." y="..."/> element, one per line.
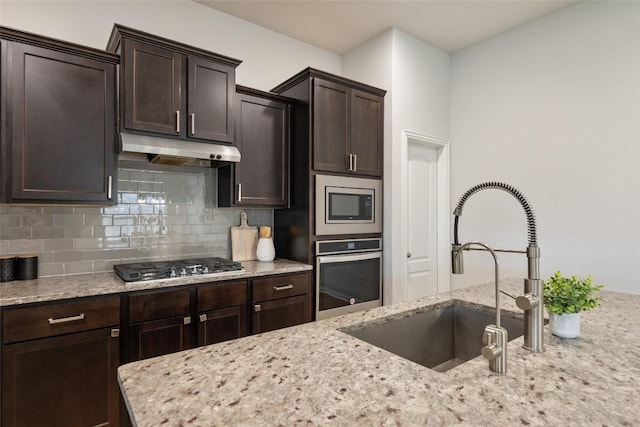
<point x="268" y="57"/>
<point x="371" y="63"/>
<point x="417" y="100"/>
<point x="553" y="108"/>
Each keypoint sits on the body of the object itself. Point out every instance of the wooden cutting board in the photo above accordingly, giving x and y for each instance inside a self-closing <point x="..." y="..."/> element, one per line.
<point x="244" y="240"/>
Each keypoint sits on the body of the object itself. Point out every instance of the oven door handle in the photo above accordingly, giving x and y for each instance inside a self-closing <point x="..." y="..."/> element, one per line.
<point x="348" y="257"/>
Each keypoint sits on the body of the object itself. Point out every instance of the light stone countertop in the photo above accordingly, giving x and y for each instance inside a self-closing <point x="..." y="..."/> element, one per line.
<point x="316" y="374"/>
<point x="95" y="284"/>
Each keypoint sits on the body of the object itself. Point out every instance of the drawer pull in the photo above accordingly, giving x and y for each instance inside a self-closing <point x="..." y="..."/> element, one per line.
<point x="257" y="308"/>
<point x="186" y="320"/>
<point x="66" y="319"/>
<point x="203" y="318"/>
<point x="283" y="288"/>
<point x="115" y="332"/>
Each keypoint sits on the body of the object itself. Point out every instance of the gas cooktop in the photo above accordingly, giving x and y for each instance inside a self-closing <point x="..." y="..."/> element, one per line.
<point x="156" y="270"/>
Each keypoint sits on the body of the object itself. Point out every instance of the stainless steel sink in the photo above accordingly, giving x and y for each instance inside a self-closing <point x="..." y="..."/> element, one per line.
<point x="439" y="339"/>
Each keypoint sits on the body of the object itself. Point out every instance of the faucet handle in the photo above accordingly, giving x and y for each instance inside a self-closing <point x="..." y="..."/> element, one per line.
<point x="491" y="349"/>
<point x="527" y="301"/>
<point x="495" y="341"/>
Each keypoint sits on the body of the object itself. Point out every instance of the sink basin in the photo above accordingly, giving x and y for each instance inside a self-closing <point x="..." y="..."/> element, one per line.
<point x="439" y="339"/>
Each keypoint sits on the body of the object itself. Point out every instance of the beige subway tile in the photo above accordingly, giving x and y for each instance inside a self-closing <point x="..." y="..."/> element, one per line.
<point x="88" y="243"/>
<point x="98" y="219"/>
<point x="10" y="220"/>
<point x="58" y="244"/>
<point x="115" y="242"/>
<point x="46" y="270"/>
<point x="116" y="210"/>
<point x="14" y="233"/>
<point x="58" y="210"/>
<point x="78" y="267"/>
<point x="48" y="232"/>
<point x="61" y="220"/>
<point x="79" y="231"/>
<point x="60" y="257"/>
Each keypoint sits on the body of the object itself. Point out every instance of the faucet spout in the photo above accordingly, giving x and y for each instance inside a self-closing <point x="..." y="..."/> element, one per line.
<point x="495" y="337"/>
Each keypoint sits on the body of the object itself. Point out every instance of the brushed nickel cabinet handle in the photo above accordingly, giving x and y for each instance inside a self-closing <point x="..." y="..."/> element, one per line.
<point x="193" y="124"/>
<point x="203" y="318"/>
<point x="186" y="320"/>
<point x="115" y="332"/>
<point x="257" y="307"/>
<point x="355" y="163"/>
<point x="350" y="167"/>
<point x="240" y="193"/>
<point x="177" y="121"/>
<point x="66" y="319"/>
<point x="283" y="288"/>
<point x="109" y="187"/>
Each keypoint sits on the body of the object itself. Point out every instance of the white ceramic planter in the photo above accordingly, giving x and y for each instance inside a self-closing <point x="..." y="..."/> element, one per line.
<point x="565" y="325"/>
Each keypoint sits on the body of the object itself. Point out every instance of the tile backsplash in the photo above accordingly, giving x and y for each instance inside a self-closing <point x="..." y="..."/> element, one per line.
<point x="163" y="212"/>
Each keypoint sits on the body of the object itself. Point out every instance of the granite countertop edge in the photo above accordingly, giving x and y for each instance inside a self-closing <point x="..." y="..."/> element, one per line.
<point x="316" y="374"/>
<point x="49" y="289"/>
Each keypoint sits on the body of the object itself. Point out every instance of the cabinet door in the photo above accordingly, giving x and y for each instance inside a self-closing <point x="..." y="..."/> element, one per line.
<point x="262" y="176"/>
<point x="211" y="98"/>
<point x="366" y="142"/>
<point x="61" y="112"/>
<point x="68" y="380"/>
<point x="153" y="81"/>
<point x="330" y="126"/>
<point x="158" y="337"/>
<point x="222" y="325"/>
<point x="280" y="313"/>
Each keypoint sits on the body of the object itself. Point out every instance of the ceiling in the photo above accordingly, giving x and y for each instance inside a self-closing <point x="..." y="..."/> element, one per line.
<point x="339" y="26"/>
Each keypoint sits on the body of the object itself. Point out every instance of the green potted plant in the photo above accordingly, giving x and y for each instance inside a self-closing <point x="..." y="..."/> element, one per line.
<point x="565" y="298"/>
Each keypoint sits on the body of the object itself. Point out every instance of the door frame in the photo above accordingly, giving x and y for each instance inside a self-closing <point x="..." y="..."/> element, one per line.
<point x="443" y="243"/>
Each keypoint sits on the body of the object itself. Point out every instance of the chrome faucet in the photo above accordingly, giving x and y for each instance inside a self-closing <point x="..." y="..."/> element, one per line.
<point x="532" y="302"/>
<point x="494" y="337"/>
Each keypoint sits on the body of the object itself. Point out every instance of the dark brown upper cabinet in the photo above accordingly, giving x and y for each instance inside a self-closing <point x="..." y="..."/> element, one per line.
<point x="58" y="121"/>
<point x="175" y="90"/>
<point x="348" y="129"/>
<point x="347" y="121"/>
<point x="262" y="136"/>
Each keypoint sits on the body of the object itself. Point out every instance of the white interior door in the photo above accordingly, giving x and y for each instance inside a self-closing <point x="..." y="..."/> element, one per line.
<point x="421" y="220"/>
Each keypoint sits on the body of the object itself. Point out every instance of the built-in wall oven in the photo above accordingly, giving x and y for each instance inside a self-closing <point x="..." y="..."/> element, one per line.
<point x="348" y="276"/>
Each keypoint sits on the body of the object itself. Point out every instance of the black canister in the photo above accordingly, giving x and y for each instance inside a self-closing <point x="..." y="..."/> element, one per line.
<point x="27" y="267"/>
<point x="7" y="268"/>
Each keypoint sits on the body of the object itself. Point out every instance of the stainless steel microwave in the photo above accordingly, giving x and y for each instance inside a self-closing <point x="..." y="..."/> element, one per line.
<point x="346" y="205"/>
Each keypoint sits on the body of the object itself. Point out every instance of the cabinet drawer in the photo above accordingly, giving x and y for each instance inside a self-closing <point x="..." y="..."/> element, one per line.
<point x="222" y="295"/>
<point x="158" y="305"/>
<point x="60" y="318"/>
<point x="280" y="287"/>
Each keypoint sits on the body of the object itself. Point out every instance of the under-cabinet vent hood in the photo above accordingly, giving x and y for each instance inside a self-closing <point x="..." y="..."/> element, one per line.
<point x="176" y="152"/>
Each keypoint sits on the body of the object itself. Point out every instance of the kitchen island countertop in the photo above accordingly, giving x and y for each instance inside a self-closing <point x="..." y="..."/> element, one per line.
<point x="94" y="284"/>
<point x="316" y="374"/>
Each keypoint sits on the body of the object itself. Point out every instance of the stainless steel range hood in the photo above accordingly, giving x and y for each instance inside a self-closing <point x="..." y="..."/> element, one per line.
<point x="176" y="152"/>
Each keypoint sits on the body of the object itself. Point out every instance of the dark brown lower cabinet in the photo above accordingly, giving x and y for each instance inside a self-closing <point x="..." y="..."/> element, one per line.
<point x="280" y="313"/>
<point x="159" y="323"/>
<point x="158" y="337"/>
<point x="222" y="312"/>
<point x="67" y="380"/>
<point x="222" y="325"/>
